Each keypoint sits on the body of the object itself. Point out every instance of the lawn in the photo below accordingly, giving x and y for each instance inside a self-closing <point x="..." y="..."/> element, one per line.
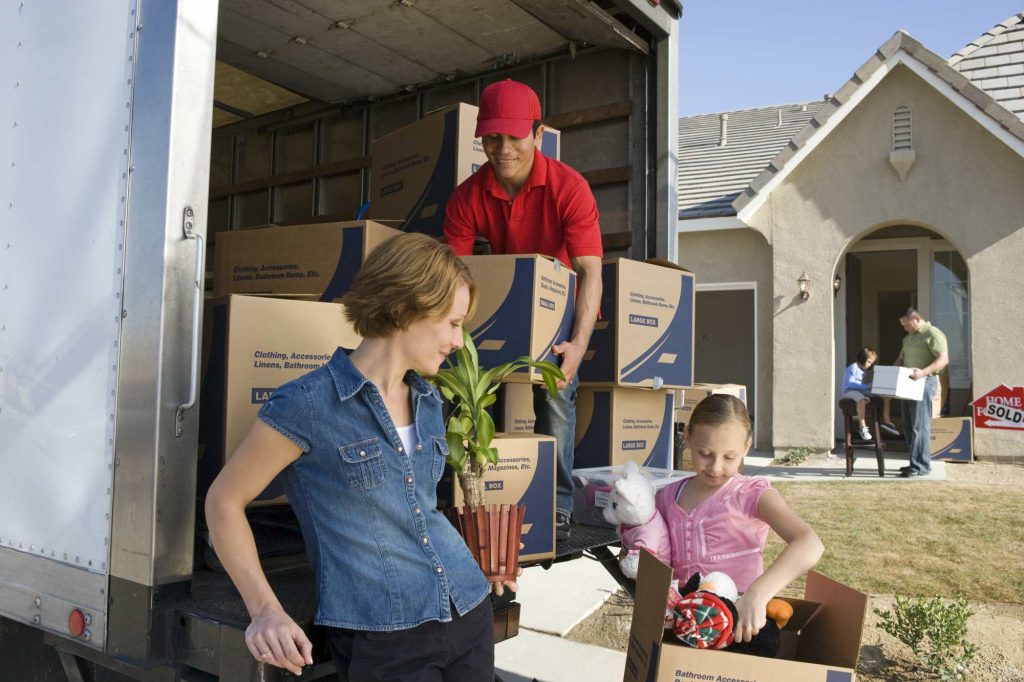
<point x="963" y="536"/>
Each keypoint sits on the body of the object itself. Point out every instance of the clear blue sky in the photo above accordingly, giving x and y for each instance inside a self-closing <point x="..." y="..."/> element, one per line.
<point x="741" y="54"/>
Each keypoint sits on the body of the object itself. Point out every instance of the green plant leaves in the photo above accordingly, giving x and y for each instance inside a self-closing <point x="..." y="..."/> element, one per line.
<point x="471" y="391"/>
<point x="935" y="632"/>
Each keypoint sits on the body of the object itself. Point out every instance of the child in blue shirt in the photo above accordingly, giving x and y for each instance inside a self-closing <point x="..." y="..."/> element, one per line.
<point x="857" y="388"/>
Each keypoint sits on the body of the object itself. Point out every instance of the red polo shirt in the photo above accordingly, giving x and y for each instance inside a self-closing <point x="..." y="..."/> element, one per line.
<point x="554" y="214"/>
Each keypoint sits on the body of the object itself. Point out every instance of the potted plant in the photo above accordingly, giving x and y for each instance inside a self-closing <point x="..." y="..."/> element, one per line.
<point x="492" y="532"/>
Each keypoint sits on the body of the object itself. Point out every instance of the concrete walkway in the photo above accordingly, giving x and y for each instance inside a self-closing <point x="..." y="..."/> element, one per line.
<point x="833" y="468"/>
<point x="552" y="602"/>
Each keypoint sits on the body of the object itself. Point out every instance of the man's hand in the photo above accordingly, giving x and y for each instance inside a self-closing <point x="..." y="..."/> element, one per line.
<point x="572" y="355"/>
<point x="916" y="374"/>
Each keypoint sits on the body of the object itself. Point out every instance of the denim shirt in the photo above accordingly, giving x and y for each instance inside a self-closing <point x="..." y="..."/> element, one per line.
<point x="384" y="557"/>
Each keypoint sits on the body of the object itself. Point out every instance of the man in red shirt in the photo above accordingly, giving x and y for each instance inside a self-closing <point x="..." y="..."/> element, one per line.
<point x="523" y="202"/>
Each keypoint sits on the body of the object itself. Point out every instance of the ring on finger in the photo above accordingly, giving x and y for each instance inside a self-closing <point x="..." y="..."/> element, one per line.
<point x="264" y="654"/>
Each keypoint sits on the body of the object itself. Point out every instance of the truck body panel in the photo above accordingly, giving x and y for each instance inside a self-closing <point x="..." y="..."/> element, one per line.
<point x="111" y="178"/>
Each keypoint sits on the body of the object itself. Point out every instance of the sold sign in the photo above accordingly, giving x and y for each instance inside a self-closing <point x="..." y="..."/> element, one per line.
<point x="1000" y="408"/>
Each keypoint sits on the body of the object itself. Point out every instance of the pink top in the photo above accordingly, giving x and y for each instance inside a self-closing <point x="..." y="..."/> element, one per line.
<point x="652" y="536"/>
<point x="722" y="533"/>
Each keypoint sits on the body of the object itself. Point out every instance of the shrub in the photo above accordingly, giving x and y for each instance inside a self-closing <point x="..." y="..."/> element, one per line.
<point x="796" y="456"/>
<point x="935" y="631"/>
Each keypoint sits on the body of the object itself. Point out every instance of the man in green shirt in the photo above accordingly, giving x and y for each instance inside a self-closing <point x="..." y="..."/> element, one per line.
<point x="926" y="352"/>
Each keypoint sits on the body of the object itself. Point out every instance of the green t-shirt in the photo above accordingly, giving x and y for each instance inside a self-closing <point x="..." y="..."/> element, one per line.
<point x="921" y="349"/>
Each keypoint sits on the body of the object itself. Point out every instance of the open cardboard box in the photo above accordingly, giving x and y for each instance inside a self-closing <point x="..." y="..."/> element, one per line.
<point x="820" y="643"/>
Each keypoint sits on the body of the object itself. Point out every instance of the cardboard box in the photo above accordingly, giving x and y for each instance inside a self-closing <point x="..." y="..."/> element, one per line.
<point x="953" y="439"/>
<point x="254" y="345"/>
<point x="591" y="488"/>
<point x="688" y="399"/>
<point x="645" y="334"/>
<point x="415" y="169"/>
<point x="318" y="260"/>
<point x="525" y="474"/>
<point x="515" y="408"/>
<point x="820" y="643"/>
<point x="895" y="382"/>
<point x="525" y="305"/>
<point x="615" y="425"/>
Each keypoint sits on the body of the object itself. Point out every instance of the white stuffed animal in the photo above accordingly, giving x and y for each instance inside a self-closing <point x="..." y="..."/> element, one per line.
<point x="639" y="523"/>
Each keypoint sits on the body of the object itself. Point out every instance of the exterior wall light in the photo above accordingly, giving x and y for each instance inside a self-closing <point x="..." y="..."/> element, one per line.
<point x="804" y="282"/>
<point x="837" y="284"/>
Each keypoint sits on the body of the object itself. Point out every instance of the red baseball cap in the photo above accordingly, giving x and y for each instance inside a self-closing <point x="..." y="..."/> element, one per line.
<point x="508" y="107"/>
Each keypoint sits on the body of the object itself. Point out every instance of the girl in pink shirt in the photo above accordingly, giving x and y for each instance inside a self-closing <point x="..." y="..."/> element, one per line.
<point x="718" y="519"/>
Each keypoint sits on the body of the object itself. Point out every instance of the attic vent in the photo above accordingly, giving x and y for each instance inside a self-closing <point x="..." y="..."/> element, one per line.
<point x="901" y="129"/>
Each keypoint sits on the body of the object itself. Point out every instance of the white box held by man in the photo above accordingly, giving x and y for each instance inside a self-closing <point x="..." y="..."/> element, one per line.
<point x="895" y="382"/>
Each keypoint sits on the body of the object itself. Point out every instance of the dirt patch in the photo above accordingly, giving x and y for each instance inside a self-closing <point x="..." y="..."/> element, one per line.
<point x="997" y="628"/>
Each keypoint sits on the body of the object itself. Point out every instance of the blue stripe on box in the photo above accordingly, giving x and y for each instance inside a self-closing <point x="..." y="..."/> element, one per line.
<point x="434" y="199"/>
<point x="508" y="321"/>
<point x="601" y="365"/>
<point x="677" y="338"/>
<point x="539" y="501"/>
<point x="349" y="261"/>
<point x="660" y="455"/>
<point x="838" y="676"/>
<point x="564" y="330"/>
<point x="594" y="448"/>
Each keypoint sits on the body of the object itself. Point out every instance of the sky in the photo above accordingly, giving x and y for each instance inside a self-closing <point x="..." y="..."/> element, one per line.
<point x="742" y="54"/>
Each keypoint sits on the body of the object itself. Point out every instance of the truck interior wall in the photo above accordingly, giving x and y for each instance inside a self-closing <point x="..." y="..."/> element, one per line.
<point x="603" y="137"/>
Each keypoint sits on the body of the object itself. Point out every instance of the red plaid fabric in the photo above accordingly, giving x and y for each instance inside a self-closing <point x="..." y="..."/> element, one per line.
<point x="701" y="620"/>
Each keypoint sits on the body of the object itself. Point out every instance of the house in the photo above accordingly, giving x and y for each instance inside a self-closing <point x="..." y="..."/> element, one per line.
<point x="904" y="187"/>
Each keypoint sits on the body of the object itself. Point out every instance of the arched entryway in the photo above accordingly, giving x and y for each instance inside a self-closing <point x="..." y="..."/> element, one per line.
<point x="882" y="274"/>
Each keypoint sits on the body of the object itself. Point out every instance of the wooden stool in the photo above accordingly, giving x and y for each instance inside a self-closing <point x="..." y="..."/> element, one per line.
<point x="852" y="425"/>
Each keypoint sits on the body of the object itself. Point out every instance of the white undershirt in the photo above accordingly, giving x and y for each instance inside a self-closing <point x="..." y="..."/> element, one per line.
<point x="408" y="436"/>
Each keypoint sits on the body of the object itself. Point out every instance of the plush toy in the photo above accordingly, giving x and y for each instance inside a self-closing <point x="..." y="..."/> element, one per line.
<point x="702" y="615"/>
<point x="639" y="523"/>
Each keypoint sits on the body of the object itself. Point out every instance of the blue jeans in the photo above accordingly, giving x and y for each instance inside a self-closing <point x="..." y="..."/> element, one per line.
<point x="917" y="426"/>
<point x="557" y="417"/>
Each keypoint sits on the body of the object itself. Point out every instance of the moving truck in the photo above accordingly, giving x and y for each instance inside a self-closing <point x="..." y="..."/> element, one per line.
<point x="121" y="158"/>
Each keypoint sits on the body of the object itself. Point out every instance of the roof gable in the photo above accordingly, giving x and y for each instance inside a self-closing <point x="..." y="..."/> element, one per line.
<point x="900" y="49"/>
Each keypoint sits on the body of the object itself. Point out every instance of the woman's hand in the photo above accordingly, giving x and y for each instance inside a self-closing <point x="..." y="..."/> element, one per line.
<point x="499" y="588"/>
<point x="750" y="616"/>
<point x="274" y="638"/>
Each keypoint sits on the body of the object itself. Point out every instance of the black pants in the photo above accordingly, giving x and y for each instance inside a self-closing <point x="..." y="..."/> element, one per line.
<point x="459" y="651"/>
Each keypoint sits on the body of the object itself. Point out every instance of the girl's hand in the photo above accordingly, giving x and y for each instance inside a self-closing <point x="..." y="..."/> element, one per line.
<point x="750" y="616"/>
<point x="499" y="588"/>
<point x="274" y="638"/>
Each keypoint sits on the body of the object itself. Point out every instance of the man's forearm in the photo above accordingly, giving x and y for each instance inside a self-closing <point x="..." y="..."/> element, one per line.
<point x="588" y="302"/>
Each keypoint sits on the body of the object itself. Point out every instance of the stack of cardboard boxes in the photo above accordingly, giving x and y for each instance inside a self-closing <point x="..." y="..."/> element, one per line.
<point x="271" y="319"/>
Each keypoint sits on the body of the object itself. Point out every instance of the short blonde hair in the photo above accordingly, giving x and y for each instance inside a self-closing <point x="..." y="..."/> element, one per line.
<point x="718" y="409"/>
<point x="408" y="278"/>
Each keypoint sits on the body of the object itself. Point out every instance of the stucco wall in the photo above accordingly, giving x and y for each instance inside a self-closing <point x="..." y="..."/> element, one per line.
<point x="965" y="184"/>
<point x="739" y="256"/>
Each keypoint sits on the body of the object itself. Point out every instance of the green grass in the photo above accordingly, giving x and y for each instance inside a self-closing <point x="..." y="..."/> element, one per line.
<point x="916" y="539"/>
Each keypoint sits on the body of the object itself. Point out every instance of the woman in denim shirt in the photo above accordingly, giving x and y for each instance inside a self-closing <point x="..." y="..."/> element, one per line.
<point x="360" y="446"/>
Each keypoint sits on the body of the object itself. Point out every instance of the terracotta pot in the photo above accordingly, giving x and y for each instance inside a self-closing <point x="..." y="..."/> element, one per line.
<point x="492" y="533"/>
